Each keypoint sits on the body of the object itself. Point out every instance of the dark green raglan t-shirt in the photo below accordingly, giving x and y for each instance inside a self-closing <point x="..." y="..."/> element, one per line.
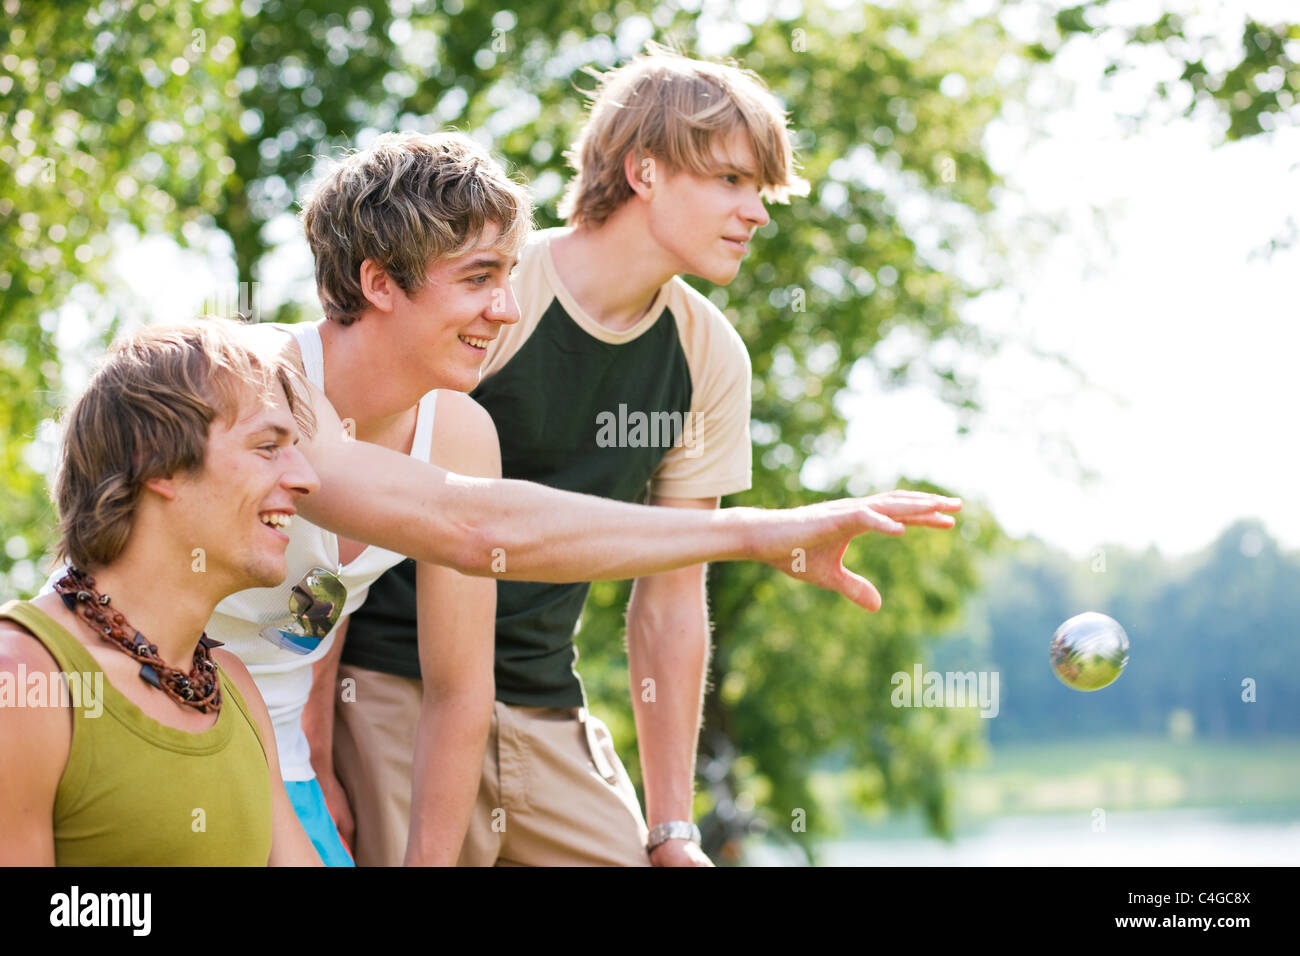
<point x="661" y="408"/>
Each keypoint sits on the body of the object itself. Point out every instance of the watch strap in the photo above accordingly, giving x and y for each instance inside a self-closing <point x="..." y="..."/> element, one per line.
<point x="672" y="830"/>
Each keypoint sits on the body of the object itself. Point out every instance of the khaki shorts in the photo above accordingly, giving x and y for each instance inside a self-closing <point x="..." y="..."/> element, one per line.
<point x="552" y="792"/>
<point x="374" y="746"/>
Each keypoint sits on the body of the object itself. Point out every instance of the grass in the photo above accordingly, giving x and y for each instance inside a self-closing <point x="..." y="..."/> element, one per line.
<point x="1119" y="773"/>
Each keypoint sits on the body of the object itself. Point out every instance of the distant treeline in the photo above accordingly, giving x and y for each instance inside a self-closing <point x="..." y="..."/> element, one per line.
<point x="1205" y="633"/>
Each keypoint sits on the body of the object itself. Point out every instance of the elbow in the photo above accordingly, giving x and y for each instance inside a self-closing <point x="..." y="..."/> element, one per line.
<point x="466" y="554"/>
<point x="464" y="541"/>
<point x="476" y="552"/>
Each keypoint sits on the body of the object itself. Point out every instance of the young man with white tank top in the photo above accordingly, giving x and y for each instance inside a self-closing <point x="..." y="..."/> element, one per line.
<point x="285" y="678"/>
<point x="414" y="240"/>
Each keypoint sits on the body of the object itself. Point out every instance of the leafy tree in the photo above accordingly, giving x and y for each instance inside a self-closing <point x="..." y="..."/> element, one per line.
<point x="1254" y="88"/>
<point x="200" y="120"/>
<point x="109" y="115"/>
<point x="1250" y="87"/>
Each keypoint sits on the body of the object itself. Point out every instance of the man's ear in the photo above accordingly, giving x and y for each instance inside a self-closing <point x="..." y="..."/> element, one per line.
<point x="642" y="172"/>
<point x="166" y="487"/>
<point x="378" y="286"/>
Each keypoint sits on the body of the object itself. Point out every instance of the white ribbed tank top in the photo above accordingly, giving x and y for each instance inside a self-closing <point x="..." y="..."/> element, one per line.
<point x="284" y="678"/>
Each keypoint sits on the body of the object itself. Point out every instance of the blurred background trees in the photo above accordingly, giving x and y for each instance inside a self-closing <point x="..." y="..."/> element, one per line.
<point x="202" y="123"/>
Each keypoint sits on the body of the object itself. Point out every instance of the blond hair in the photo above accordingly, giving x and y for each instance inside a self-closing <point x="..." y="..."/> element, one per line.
<point x="406" y="200"/>
<point x="671" y="107"/>
<point x="146" y="414"/>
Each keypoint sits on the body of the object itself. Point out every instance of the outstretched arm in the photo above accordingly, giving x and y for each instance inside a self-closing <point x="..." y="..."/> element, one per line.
<point x="517" y="530"/>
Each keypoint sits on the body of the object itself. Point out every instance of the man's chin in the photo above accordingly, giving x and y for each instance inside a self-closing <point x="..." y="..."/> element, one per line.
<point x="724" y="271"/>
<point x="267" y="577"/>
<point x="459" y="379"/>
<point x="467" y="381"/>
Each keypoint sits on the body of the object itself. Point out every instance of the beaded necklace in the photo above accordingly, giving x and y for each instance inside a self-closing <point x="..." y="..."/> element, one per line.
<point x="199" y="689"/>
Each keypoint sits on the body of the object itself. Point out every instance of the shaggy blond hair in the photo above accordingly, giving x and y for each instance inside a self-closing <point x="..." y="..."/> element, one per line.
<point x="674" y="108"/>
<point x="408" y="199"/>
<point x="146" y="414"/>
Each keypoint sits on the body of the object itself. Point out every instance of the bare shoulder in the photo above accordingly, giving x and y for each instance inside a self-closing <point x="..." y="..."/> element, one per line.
<point x="35" y="743"/>
<point x="37" y="736"/>
<point x="465" y="437"/>
<point x="20" y="647"/>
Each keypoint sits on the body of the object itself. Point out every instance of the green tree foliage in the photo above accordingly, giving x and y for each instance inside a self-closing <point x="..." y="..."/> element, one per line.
<point x="1254" y="85"/>
<point x="109" y="114"/>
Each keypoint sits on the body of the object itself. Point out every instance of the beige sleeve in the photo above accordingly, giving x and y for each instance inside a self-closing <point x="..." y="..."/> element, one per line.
<point x="715" y="457"/>
<point x="533" y="293"/>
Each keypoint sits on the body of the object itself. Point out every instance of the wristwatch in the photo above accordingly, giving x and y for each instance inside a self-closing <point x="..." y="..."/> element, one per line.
<point x="672" y="830"/>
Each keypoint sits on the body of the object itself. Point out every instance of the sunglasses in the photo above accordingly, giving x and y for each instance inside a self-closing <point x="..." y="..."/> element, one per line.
<point x="315" y="603"/>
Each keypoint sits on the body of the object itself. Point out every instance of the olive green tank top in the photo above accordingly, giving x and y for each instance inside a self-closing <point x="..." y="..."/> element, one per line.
<point x="138" y="793"/>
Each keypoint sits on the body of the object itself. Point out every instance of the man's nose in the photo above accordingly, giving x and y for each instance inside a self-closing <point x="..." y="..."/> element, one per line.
<point x="503" y="307"/>
<point x="755" y="210"/>
<point x="300" y="477"/>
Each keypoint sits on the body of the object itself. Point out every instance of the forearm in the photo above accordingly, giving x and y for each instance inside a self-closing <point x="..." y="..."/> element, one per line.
<point x="667" y="662"/>
<point x="456" y="621"/>
<point x="517" y="530"/>
<point x="290" y="844"/>
<point x="318" y="714"/>
<point x="449" y="747"/>
<point x="567" y="537"/>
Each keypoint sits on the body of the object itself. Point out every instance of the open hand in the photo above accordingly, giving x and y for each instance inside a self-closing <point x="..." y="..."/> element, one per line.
<point x="808" y="543"/>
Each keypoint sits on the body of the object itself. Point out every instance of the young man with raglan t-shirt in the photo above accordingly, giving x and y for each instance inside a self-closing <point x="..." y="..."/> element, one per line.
<point x="622" y="381"/>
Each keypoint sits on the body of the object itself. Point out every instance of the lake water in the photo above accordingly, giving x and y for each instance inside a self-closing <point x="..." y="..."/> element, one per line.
<point x="1139" y="838"/>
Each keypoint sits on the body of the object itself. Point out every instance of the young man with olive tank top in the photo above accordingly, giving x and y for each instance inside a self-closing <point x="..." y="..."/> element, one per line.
<point x="178" y="471"/>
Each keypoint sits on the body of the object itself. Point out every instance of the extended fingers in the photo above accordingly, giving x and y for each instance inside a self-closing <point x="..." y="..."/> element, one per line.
<point x="885" y="524"/>
<point x="899" y="503"/>
<point x="857" y="589"/>
<point x="931" y="519"/>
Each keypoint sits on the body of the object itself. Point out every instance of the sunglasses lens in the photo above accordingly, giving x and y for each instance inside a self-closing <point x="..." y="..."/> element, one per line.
<point x="315" y="603"/>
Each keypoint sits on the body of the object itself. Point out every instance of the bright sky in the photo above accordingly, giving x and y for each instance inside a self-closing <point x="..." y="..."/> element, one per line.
<point x="1188" y="345"/>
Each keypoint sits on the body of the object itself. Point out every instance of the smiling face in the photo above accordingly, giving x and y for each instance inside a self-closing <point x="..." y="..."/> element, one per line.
<point x="447" y="325"/>
<point x="240" y="504"/>
<point x="705" y="222"/>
